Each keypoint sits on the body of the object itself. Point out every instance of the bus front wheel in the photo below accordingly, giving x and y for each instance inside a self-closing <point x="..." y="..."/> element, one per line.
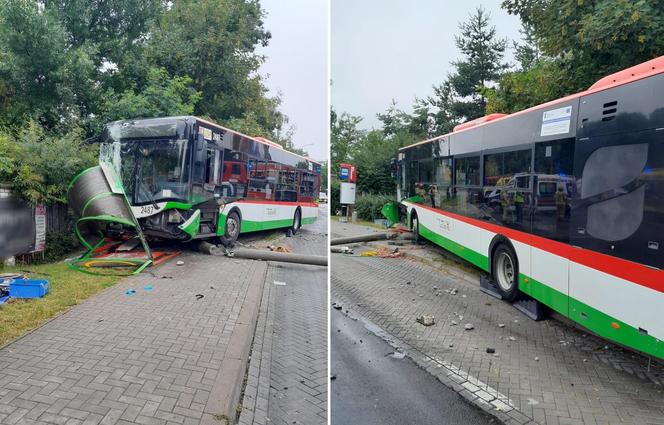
<point x="505" y="271"/>
<point x="297" y="221"/>
<point x="232" y="230"/>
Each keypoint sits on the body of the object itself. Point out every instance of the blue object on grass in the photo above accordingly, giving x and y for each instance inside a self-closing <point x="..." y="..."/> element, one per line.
<point x="130" y="291"/>
<point x="148" y="288"/>
<point x="28" y="288"/>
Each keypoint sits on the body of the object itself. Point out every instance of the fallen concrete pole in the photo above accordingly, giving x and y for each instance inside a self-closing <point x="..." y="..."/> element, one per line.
<point x="256" y="254"/>
<point x="210" y="249"/>
<point x="378" y="236"/>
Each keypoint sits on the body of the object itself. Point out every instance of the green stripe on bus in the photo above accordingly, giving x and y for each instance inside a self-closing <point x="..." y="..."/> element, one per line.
<point x="544" y="294"/>
<point x="592" y="319"/>
<point x="308" y="220"/>
<point x="255" y="226"/>
<point x="467" y="254"/>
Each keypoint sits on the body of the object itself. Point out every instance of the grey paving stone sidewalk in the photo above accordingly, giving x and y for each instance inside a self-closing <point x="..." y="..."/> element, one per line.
<point x="553" y="373"/>
<point x="147" y="358"/>
<point x="288" y="374"/>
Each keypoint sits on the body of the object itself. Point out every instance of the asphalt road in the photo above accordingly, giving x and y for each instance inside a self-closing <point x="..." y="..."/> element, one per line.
<point x="373" y="386"/>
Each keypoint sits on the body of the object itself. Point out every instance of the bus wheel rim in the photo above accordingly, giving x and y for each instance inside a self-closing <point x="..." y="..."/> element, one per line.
<point x="505" y="271"/>
<point x="232" y="227"/>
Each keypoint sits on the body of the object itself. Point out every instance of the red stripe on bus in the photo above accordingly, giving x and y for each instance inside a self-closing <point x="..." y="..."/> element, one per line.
<point x="301" y="204"/>
<point x="618" y="267"/>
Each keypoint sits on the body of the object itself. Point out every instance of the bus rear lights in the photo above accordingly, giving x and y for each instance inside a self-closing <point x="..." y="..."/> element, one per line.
<point x="615" y="325"/>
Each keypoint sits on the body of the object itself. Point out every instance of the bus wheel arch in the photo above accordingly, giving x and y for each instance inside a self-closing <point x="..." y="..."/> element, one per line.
<point x="504" y="267"/>
<point x="415" y="224"/>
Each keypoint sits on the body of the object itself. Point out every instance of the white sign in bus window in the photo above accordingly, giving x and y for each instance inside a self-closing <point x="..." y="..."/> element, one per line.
<point x="556" y="121"/>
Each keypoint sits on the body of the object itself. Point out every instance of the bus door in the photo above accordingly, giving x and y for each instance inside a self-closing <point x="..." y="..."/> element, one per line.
<point x="202" y="170"/>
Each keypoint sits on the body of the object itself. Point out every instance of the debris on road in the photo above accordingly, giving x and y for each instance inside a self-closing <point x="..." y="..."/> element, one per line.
<point x="130" y="291"/>
<point x="382" y="252"/>
<point x="278" y="248"/>
<point x="336" y="306"/>
<point x="147" y="288"/>
<point x="426" y="320"/>
<point x="501" y="325"/>
<point x="276" y="282"/>
<point x="341" y="250"/>
<point x="199" y="296"/>
<point x="180" y="263"/>
<point x="469" y="327"/>
<point x="490" y="350"/>
<point x="397" y="355"/>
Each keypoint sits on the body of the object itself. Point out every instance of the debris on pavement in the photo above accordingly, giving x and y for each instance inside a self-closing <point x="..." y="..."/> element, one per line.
<point x="397" y="355"/>
<point x="501" y="325"/>
<point x="469" y="327"/>
<point x="180" y="263"/>
<point x="278" y="248"/>
<point x="382" y="252"/>
<point x="336" y="306"/>
<point x="490" y="350"/>
<point x="426" y="320"/>
<point x="276" y="282"/>
<point x="130" y="291"/>
<point x="199" y="296"/>
<point x="147" y="288"/>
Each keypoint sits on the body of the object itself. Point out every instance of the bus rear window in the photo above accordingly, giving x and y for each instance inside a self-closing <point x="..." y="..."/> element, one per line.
<point x="547" y="188"/>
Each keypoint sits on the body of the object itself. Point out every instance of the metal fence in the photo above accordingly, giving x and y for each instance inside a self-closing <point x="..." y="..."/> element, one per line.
<point x="17" y="223"/>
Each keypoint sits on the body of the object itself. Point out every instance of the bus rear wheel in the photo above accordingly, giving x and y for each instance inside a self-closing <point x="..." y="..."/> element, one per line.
<point x="297" y="221"/>
<point x="232" y="229"/>
<point x="505" y="271"/>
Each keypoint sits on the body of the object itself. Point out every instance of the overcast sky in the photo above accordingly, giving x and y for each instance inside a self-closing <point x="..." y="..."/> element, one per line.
<point x="297" y="67"/>
<point x="398" y="49"/>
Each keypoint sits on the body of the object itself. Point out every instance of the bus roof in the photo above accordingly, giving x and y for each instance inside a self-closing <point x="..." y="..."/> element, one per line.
<point x="261" y="140"/>
<point x="634" y="73"/>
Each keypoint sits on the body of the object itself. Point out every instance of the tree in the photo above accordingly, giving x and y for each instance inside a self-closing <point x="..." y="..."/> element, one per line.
<point x="481" y="65"/>
<point x="214" y="42"/>
<point x="163" y="96"/>
<point x="344" y="133"/>
<point x="593" y="38"/>
<point x="39" y="165"/>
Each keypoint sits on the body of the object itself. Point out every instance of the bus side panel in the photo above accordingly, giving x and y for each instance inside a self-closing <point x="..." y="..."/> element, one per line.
<point x="459" y="238"/>
<point x="548" y="281"/>
<point x="615" y="309"/>
<point x="309" y="214"/>
<point x="262" y="216"/>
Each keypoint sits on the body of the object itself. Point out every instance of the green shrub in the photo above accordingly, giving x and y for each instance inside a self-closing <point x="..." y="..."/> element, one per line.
<point x="335" y="197"/>
<point x="59" y="245"/>
<point x="368" y="206"/>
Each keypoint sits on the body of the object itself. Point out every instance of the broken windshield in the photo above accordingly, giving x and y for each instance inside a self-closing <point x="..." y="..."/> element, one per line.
<point x="151" y="170"/>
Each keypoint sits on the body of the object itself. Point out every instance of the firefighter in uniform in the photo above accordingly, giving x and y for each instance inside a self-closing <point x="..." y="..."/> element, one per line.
<point x="519" y="200"/>
<point x="505" y="204"/>
<point x="561" y="203"/>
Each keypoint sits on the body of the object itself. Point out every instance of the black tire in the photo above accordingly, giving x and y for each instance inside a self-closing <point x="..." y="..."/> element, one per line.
<point x="297" y="221"/>
<point x="415" y="225"/>
<point x="505" y="271"/>
<point x="232" y="229"/>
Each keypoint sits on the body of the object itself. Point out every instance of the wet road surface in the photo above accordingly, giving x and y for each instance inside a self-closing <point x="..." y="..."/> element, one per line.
<point x="374" y="386"/>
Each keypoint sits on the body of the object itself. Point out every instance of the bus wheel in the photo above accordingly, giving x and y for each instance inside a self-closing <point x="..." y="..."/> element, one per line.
<point x="505" y="270"/>
<point x="232" y="229"/>
<point x="297" y="221"/>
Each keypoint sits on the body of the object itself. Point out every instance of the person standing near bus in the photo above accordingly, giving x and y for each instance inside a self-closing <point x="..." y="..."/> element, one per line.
<point x="419" y="191"/>
<point x="519" y="200"/>
<point x="561" y="202"/>
<point x="433" y="191"/>
<point x="505" y="204"/>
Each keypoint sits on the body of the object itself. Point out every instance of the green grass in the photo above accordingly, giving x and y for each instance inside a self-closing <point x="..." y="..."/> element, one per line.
<point x="67" y="288"/>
